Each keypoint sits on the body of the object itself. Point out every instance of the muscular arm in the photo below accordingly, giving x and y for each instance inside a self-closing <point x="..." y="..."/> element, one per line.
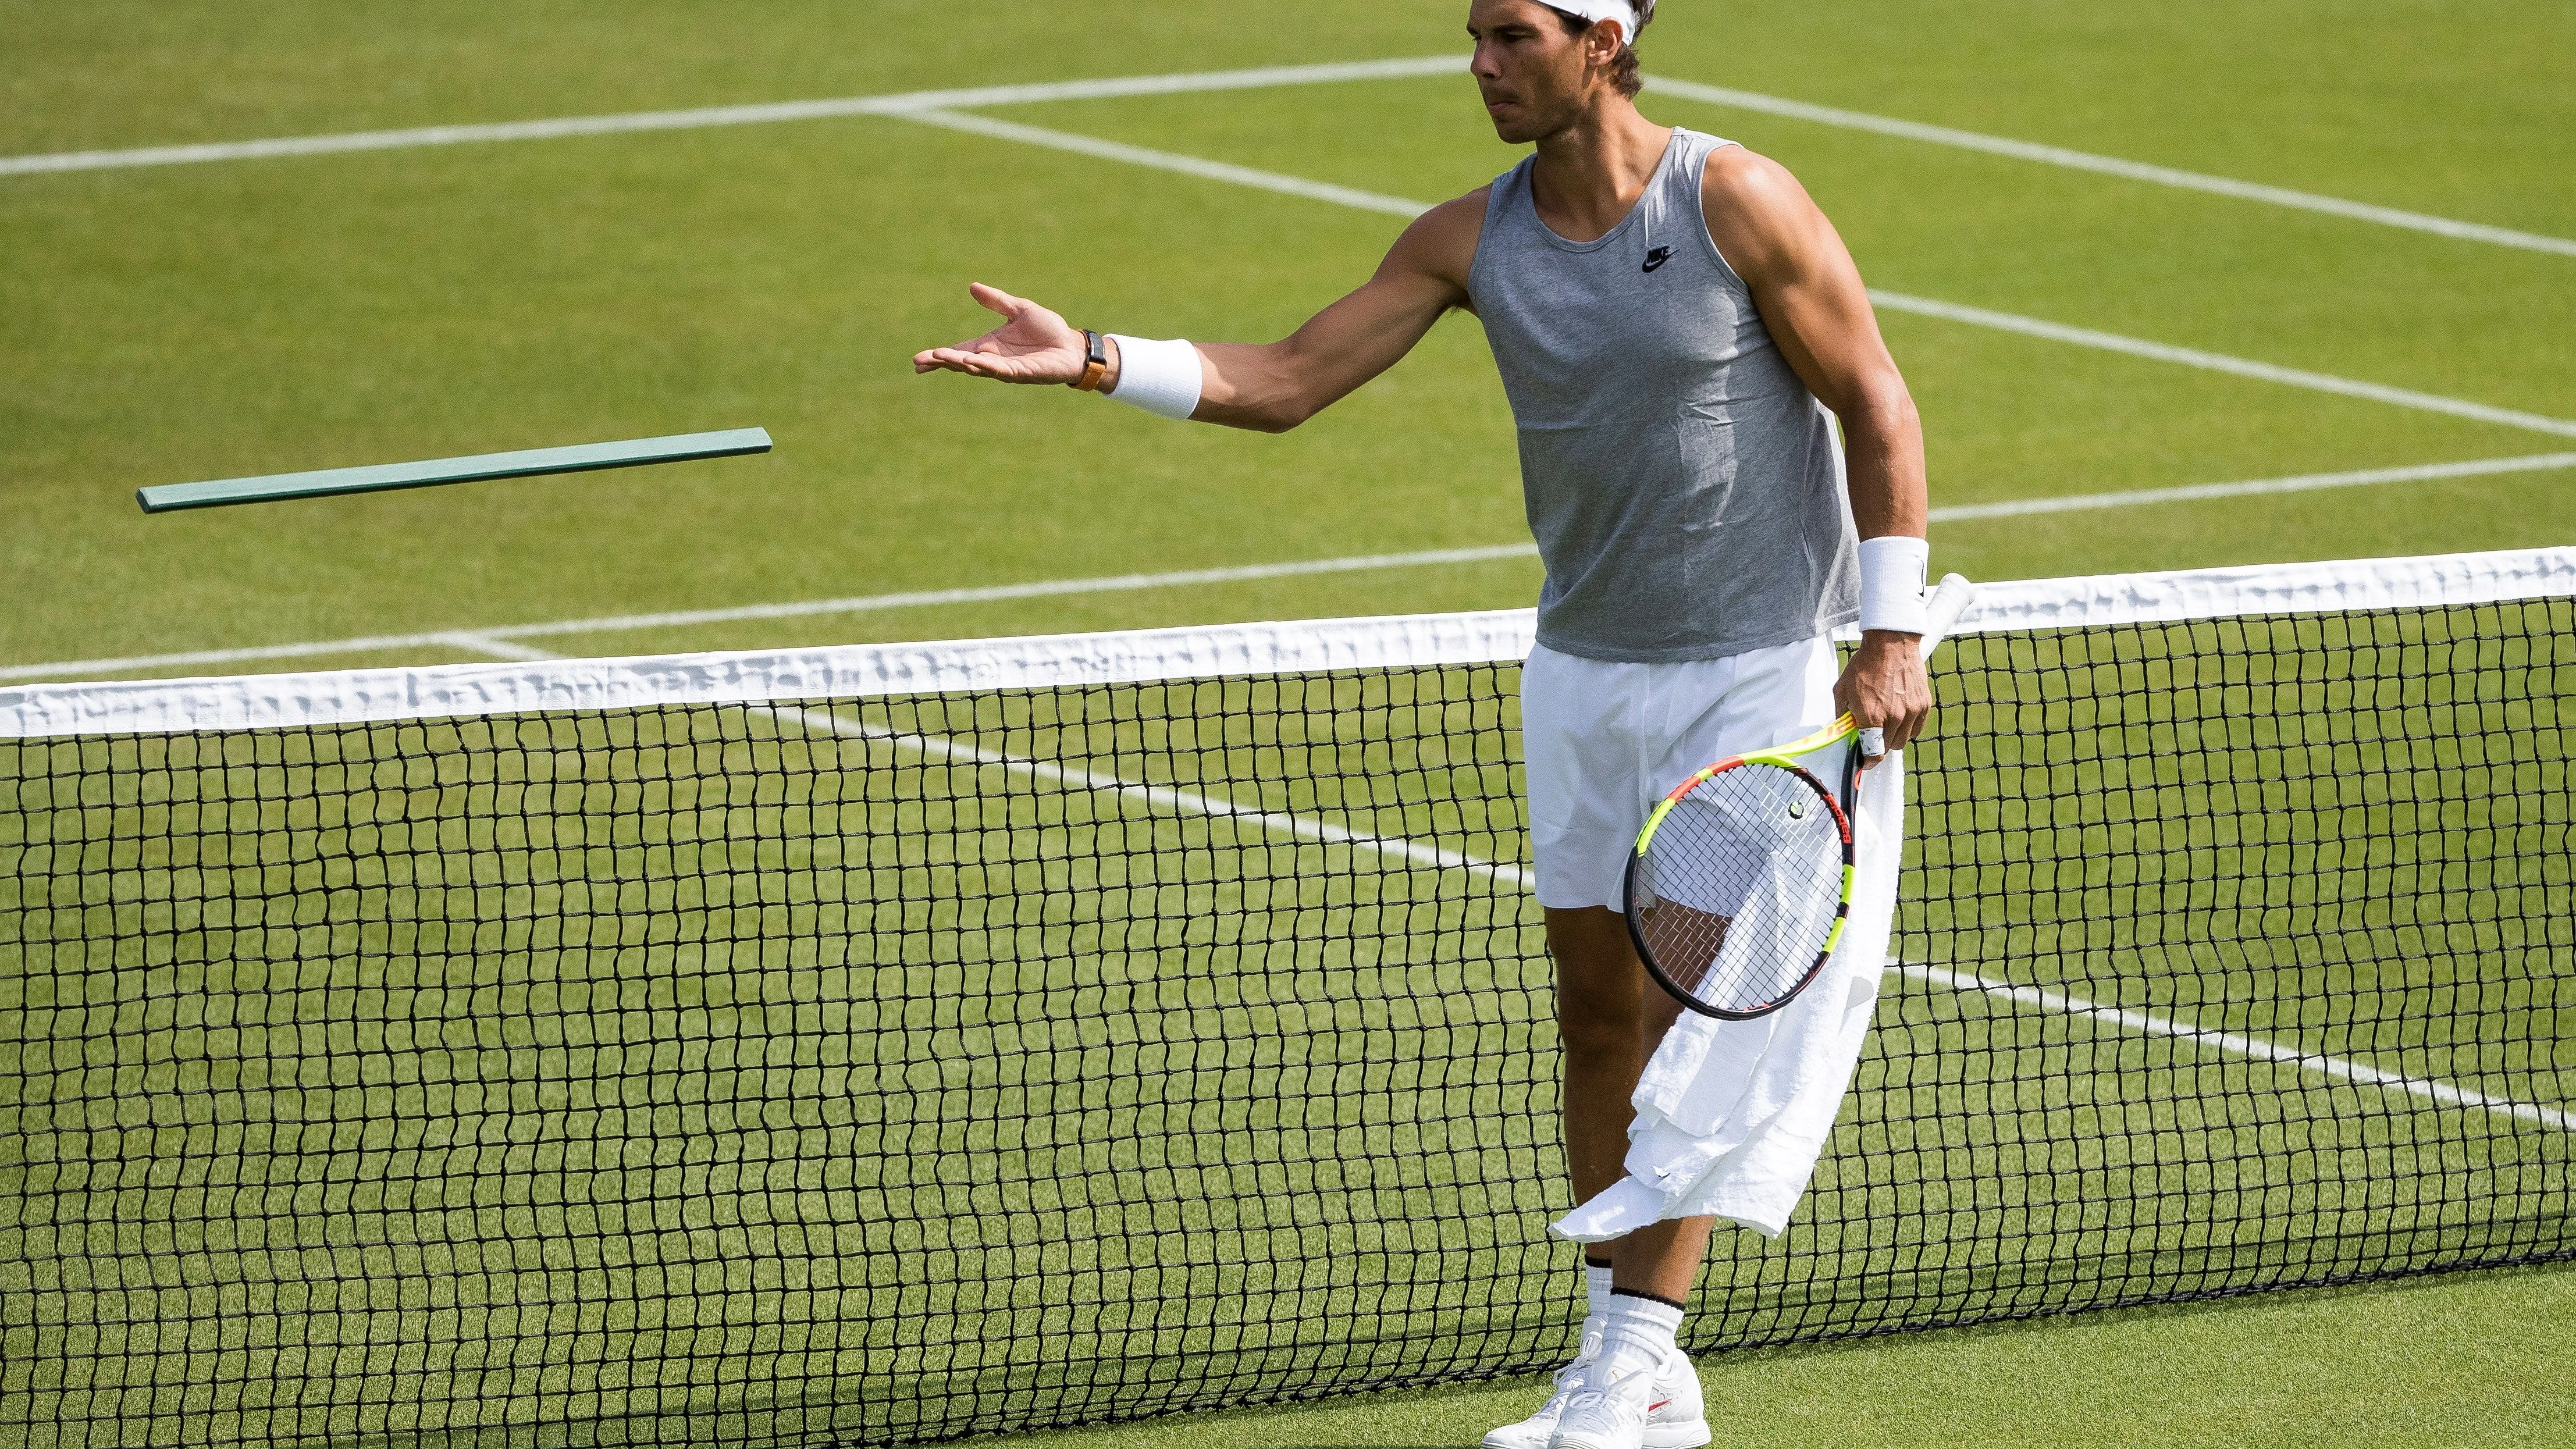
<point x="1274" y="387"/>
<point x="1810" y="295"/>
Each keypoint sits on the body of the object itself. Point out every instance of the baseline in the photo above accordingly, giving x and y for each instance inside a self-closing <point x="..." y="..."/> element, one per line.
<point x="1250" y="79"/>
<point x="704" y="117"/>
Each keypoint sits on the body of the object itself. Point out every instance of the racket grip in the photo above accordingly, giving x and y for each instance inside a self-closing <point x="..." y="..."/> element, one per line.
<point x="1948" y="602"/>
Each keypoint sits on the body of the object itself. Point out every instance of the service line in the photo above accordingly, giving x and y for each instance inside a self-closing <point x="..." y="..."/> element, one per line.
<point x="1892" y="301"/>
<point x="2113" y="166"/>
<point x="493" y="640"/>
<point x="2238" y="1044"/>
<point x="498" y="640"/>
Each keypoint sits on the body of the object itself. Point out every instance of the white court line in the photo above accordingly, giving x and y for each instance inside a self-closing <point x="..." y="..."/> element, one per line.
<point x="497" y="647"/>
<point x="766" y="113"/>
<point x="2237" y="1044"/>
<point x="1169" y="161"/>
<point x="2426" y="473"/>
<point x="1196" y="802"/>
<point x="1172" y="797"/>
<point x="2220" y="362"/>
<point x="494" y="640"/>
<point x="1893" y="301"/>
<point x="1192" y="802"/>
<point x="487" y="639"/>
<point x="2113" y="166"/>
<point x="709" y="116"/>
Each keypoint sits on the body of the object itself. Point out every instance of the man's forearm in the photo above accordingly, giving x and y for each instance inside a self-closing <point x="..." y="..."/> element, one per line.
<point x="1245" y="387"/>
<point x="1259" y="388"/>
<point x="1883" y="451"/>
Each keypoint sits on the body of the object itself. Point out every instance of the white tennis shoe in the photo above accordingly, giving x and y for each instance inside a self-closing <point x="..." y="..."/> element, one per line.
<point x="1535" y="1431"/>
<point x="1630" y="1403"/>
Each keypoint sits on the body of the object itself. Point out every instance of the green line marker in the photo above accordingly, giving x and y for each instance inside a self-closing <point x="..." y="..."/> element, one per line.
<point x="385" y="477"/>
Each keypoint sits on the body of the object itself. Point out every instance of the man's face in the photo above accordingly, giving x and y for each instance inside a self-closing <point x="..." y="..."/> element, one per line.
<point x="1531" y="72"/>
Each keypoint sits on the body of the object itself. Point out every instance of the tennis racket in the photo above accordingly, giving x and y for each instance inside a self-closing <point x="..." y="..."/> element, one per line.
<point x="1742" y="879"/>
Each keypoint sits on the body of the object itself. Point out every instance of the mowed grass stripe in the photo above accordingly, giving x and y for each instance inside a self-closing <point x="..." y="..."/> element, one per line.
<point x="491" y="639"/>
<point x="2239" y="1044"/>
<point x="2220" y="362"/>
<point x="2303" y="483"/>
<point x="2073" y="160"/>
<point x="1986" y="448"/>
<point x="555" y="128"/>
<point x="701" y="118"/>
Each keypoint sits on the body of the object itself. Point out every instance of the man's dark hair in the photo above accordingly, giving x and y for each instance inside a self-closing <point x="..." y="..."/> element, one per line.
<point x="1626" y="74"/>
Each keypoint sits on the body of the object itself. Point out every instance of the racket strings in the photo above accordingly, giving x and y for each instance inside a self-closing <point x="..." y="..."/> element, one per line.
<point x="1738" y="891"/>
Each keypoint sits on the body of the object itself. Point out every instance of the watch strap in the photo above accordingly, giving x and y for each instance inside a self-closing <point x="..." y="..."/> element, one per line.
<point x="1095" y="364"/>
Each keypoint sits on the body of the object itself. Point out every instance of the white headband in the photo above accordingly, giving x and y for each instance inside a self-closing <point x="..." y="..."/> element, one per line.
<point x="1597" y="11"/>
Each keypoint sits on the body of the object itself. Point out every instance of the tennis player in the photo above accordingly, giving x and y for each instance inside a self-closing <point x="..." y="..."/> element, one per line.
<point x="1678" y="327"/>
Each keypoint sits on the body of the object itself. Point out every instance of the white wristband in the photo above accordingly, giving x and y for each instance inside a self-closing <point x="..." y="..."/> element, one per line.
<point x="1163" y="378"/>
<point x="1893" y="571"/>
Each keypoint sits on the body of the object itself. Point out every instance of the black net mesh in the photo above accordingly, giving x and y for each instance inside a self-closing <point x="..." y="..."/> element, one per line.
<point x="900" y="1069"/>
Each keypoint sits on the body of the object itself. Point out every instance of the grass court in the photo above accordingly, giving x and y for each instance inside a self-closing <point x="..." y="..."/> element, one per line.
<point x="261" y="315"/>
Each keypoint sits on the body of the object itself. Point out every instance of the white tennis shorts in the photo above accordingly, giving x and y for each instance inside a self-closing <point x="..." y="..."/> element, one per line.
<point x="1604" y="742"/>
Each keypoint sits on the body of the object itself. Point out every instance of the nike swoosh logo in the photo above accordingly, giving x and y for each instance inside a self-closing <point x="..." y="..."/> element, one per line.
<point x="1657" y="1408"/>
<point x="1658" y="257"/>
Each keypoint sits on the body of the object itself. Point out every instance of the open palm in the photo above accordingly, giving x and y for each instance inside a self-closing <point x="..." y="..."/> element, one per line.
<point x="1033" y="346"/>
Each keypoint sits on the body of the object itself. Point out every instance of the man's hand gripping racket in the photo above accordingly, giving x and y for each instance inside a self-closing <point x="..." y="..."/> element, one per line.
<point x="1740" y="883"/>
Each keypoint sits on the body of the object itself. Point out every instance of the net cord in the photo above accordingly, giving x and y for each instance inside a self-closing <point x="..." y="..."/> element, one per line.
<point x="874" y="671"/>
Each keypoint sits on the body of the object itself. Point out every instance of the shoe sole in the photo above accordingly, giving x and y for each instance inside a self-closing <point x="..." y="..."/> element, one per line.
<point x="1657" y="1436"/>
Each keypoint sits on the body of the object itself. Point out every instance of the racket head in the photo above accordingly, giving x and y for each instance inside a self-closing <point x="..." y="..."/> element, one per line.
<point x="1739" y="885"/>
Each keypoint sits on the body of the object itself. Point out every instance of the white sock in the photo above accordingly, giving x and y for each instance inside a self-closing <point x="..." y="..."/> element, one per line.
<point x="1642" y="1327"/>
<point x="1596" y="1286"/>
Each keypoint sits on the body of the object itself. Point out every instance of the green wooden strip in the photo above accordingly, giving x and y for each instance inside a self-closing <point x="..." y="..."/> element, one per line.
<point x="532" y="463"/>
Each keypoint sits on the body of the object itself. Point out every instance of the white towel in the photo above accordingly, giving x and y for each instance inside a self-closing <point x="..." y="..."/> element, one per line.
<point x="1731" y="1115"/>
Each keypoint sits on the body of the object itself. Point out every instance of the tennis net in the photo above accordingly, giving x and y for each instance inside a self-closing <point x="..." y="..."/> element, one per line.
<point x="885" y="1044"/>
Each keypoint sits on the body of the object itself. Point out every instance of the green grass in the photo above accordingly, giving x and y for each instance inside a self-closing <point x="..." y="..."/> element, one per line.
<point x="160" y="326"/>
<point x="165" y="325"/>
<point x="2466" y="1360"/>
<point x="847" y="1081"/>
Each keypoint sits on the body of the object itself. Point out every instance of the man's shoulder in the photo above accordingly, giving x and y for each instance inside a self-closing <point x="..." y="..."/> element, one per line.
<point x="1742" y="179"/>
<point x="1443" y="240"/>
<point x="1757" y="212"/>
<point x="1463" y="210"/>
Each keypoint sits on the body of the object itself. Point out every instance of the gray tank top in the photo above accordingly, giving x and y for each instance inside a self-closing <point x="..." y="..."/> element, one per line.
<point x="1686" y="489"/>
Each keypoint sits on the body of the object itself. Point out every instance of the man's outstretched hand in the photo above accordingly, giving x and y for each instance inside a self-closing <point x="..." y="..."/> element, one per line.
<point x="1034" y="346"/>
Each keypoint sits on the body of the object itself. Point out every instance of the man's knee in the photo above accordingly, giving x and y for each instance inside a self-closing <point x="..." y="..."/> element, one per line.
<point x="1600" y="1001"/>
<point x="1598" y="1031"/>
